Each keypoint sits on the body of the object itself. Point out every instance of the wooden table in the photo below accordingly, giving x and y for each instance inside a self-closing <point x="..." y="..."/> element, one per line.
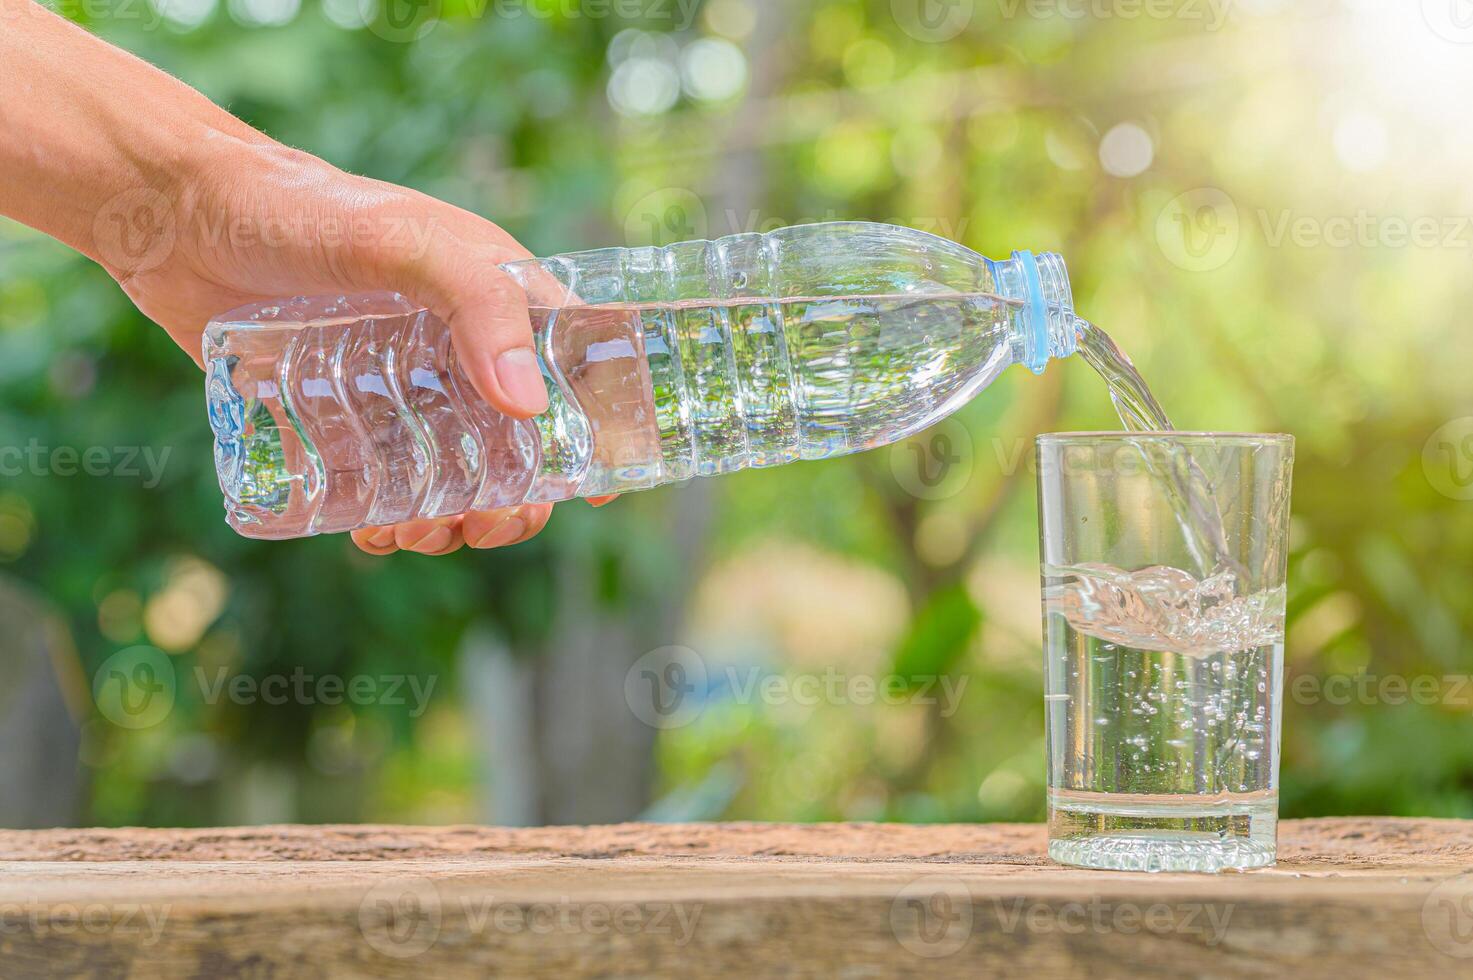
<point x="1350" y="897"/>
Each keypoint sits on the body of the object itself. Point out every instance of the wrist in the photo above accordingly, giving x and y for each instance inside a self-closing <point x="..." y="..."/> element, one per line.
<point x="82" y="162"/>
<point x="148" y="204"/>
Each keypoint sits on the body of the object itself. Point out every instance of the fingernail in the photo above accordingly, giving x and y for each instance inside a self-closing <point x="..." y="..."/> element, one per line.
<point x="503" y="534"/>
<point x="383" y="538"/>
<point x="521" y="380"/>
<point x="436" y="540"/>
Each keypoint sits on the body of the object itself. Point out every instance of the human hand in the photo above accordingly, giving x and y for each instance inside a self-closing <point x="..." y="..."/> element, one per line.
<point x="257" y="221"/>
<point x="195" y="213"/>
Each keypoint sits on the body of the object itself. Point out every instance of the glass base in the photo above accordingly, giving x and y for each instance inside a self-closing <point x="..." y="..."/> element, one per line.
<point x="1123" y="832"/>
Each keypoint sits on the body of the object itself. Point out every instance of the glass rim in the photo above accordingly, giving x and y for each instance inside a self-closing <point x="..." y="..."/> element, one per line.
<point x="1106" y="437"/>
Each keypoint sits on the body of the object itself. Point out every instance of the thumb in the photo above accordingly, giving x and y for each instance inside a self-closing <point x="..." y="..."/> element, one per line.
<point x="490" y="327"/>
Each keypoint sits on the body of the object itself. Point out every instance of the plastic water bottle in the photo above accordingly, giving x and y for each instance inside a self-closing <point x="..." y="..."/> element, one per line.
<point x="661" y="364"/>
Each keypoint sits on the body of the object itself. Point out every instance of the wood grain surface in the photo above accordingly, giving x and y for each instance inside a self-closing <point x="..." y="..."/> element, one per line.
<point x="1349" y="897"/>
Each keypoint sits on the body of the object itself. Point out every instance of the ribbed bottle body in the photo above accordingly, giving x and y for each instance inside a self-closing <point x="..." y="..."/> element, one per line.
<point x="335" y="414"/>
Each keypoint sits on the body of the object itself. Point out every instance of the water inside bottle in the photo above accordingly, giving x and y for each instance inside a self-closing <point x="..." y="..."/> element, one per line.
<point x="334" y="414"/>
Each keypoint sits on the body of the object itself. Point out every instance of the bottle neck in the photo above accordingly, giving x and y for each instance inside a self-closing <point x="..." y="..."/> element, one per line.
<point x="1043" y="322"/>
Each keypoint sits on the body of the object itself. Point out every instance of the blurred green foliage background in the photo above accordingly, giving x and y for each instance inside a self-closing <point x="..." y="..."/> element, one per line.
<point x="1238" y="201"/>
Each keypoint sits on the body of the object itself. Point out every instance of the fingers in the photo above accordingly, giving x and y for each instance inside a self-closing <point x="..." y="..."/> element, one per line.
<point x="489" y="325"/>
<point x="440" y="536"/>
<point x="446" y="535"/>
<point x="500" y="528"/>
<point x="492" y="333"/>
<point x="375" y="540"/>
<point x="600" y="501"/>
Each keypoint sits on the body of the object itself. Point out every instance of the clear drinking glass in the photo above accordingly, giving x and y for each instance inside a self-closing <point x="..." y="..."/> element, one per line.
<point x="1164" y="561"/>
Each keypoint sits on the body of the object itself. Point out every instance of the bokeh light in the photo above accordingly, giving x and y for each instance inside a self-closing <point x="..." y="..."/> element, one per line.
<point x="194" y="593"/>
<point x="350" y="15"/>
<point x="1126" y="150"/>
<point x="184" y="15"/>
<point x="730" y="18"/>
<point x="645" y="79"/>
<point x="1361" y="141"/>
<point x="644" y="87"/>
<point x="264" y="13"/>
<point x="713" y="70"/>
